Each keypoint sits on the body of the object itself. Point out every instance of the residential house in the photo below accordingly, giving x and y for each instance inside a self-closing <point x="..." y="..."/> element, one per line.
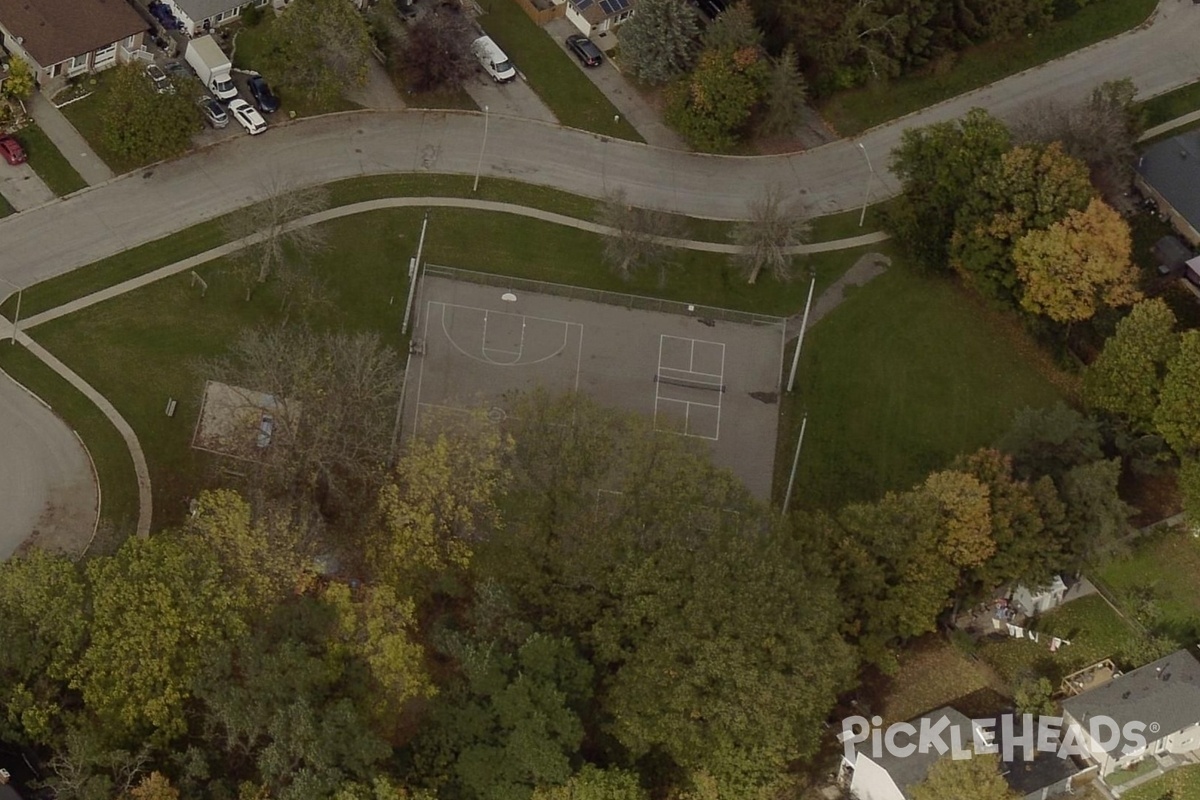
<point x="7" y="790"/>
<point x="64" y="38"/>
<point x="1169" y="173"/>
<point x="599" y="16"/>
<point x="201" y="16"/>
<point x="889" y="777"/>
<point x="1163" y="695"/>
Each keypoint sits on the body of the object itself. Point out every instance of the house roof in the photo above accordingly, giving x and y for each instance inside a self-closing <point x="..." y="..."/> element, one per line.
<point x="911" y="770"/>
<point x="55" y="30"/>
<point x="1165" y="695"/>
<point x="200" y="10"/>
<point x="596" y="11"/>
<point x="1172" y="168"/>
<point x="1024" y="776"/>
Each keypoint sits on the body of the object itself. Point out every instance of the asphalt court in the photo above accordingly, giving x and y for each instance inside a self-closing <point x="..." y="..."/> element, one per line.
<point x="715" y="381"/>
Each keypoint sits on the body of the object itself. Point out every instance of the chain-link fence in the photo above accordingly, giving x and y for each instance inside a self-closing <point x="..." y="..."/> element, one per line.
<point x="631" y="301"/>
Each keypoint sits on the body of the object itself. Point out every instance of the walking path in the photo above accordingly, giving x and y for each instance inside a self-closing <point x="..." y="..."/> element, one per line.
<point x="73" y="146"/>
<point x="1170" y="125"/>
<point x="868" y="267"/>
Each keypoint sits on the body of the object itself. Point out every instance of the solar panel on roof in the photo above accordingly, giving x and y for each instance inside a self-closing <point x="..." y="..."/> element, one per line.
<point x="606" y="6"/>
<point x="580" y="5"/>
<point x="621" y="4"/>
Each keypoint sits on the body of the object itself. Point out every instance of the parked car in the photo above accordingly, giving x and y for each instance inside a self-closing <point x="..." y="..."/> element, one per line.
<point x="11" y="149"/>
<point x="247" y="116"/>
<point x="585" y="50"/>
<point x="264" y="98"/>
<point x="162" y="84"/>
<point x="178" y="71"/>
<point x="214" y="112"/>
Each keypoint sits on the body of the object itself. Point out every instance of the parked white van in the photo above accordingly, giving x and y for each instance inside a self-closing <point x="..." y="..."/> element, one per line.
<point x="493" y="59"/>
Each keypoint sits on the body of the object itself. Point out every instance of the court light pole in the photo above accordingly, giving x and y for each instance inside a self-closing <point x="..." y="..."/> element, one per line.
<point x="17" y="315"/>
<point x="787" y="498"/>
<point x="870" y="174"/>
<point x="482" y="147"/>
<point x="800" y="338"/>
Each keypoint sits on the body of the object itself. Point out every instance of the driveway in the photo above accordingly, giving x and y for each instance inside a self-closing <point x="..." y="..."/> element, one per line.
<point x="515" y="98"/>
<point x="22" y="187"/>
<point x="148" y="205"/>
<point x="609" y="80"/>
<point x="50" y="495"/>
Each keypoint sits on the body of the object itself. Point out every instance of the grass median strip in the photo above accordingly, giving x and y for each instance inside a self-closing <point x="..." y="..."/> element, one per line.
<point x="552" y="73"/>
<point x="199" y="238"/>
<point x="118" y="486"/>
<point x="49" y="163"/>
<point x="853" y="111"/>
<point x="1168" y="106"/>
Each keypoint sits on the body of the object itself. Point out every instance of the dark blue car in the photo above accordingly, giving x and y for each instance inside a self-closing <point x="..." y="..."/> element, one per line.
<point x="264" y="98"/>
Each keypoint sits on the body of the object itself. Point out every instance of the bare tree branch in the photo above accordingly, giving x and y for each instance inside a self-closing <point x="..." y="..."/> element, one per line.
<point x="638" y="237"/>
<point x="774" y="227"/>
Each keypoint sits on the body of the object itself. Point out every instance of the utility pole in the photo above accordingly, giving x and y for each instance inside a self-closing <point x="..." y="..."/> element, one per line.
<point x="787" y="498"/>
<point x="870" y="174"/>
<point x="482" y="147"/>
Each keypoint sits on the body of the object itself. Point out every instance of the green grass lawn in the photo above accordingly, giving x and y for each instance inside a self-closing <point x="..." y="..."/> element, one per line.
<point x="118" y="486"/>
<point x="50" y="164"/>
<point x="1159" y="583"/>
<point x="197" y="239"/>
<point x="1124" y="776"/>
<point x="933" y="673"/>
<point x="1168" y="106"/>
<point x="1179" y="784"/>
<point x="853" y="111"/>
<point x="905" y="375"/>
<point x="85" y="115"/>
<point x="553" y="72"/>
<point x="1095" y="631"/>
<point x="158" y="332"/>
<point x="248" y="54"/>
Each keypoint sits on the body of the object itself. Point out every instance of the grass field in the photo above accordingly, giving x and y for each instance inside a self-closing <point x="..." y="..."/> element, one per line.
<point x="247" y="54"/>
<point x="159" y="332"/>
<point x="1159" y="583"/>
<point x="118" y="487"/>
<point x="932" y="674"/>
<point x="1095" y="631"/>
<point x="852" y="112"/>
<point x="197" y="239"/>
<point x="50" y="164"/>
<point x="552" y="72"/>
<point x="1179" y="784"/>
<point x="907" y="374"/>
<point x="1168" y="106"/>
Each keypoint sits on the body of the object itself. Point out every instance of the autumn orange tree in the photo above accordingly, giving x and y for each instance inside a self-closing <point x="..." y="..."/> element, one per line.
<point x="1077" y="266"/>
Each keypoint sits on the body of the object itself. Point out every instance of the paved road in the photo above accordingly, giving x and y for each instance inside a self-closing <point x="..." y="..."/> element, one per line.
<point x="154" y="203"/>
<point x="46" y="481"/>
<point x="22" y="187"/>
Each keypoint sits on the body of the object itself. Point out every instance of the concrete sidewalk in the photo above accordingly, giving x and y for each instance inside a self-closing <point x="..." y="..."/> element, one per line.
<point x="73" y="146"/>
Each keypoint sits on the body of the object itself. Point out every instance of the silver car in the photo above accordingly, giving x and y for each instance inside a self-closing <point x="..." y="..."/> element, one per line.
<point x="162" y="84"/>
<point x="214" y="112"/>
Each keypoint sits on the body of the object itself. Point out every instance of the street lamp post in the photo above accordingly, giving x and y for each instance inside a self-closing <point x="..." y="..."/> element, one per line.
<point x="870" y="174"/>
<point x="17" y="315"/>
<point x="482" y="147"/>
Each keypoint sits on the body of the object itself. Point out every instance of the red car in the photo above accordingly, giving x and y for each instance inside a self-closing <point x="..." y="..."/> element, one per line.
<point x="11" y="149"/>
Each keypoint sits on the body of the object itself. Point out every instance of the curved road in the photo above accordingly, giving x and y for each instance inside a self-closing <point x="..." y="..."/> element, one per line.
<point x="153" y="203"/>
<point x="46" y="479"/>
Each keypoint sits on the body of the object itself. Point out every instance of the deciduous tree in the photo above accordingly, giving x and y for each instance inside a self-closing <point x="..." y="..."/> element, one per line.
<point x="1127" y="376"/>
<point x="636" y="241"/>
<point x="437" y="52"/>
<point x="318" y="49"/>
<point x="1050" y="441"/>
<point x="140" y="125"/>
<point x="938" y="166"/>
<point x="977" y="777"/>
<point x="592" y="783"/>
<point x="159" y="606"/>
<point x="1176" y="417"/>
<point x="734" y="29"/>
<point x="775" y="225"/>
<point x="1098" y="517"/>
<point x="712" y="106"/>
<point x="275" y="242"/>
<point x="19" y="83"/>
<point x="1078" y="265"/>
<point x="659" y="43"/>
<point x="1027" y="189"/>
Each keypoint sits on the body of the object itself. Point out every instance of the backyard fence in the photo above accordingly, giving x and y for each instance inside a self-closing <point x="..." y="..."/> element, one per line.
<point x="630" y="301"/>
<point x="539" y="15"/>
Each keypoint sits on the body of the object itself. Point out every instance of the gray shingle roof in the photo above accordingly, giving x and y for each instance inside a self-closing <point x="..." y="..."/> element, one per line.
<point x="200" y="10"/>
<point x="1172" y="167"/>
<point x="1165" y="692"/>
<point x="55" y="30"/>
<point x="911" y="770"/>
